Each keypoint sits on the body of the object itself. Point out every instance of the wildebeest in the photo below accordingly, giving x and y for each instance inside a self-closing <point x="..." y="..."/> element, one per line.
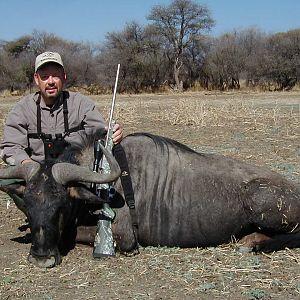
<point x="183" y="198"/>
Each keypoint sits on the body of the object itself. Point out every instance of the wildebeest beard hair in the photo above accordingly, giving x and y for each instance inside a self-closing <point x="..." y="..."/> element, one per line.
<point x="51" y="200"/>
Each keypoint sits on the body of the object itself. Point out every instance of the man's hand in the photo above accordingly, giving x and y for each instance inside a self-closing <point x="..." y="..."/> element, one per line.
<point x="117" y="134"/>
<point x="25" y="161"/>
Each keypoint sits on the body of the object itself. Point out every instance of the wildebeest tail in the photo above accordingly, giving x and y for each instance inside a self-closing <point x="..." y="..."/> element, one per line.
<point x="279" y="242"/>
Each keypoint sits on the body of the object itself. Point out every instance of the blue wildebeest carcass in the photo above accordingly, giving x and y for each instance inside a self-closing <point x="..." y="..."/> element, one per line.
<point x="187" y="199"/>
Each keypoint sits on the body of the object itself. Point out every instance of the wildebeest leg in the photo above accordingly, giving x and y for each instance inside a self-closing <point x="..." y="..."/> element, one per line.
<point x="279" y="242"/>
<point x="68" y="239"/>
<point x="123" y="233"/>
<point x="249" y="242"/>
<point x="86" y="234"/>
<point x="275" y="209"/>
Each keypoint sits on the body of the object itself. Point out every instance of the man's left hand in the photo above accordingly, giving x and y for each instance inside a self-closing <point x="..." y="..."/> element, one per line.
<point x="117" y="134"/>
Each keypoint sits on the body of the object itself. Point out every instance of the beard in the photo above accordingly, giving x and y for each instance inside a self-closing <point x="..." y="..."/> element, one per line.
<point x="50" y="95"/>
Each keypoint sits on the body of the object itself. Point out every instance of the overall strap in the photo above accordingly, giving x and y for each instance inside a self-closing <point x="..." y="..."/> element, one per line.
<point x="65" y="112"/>
<point x="38" y="116"/>
<point x="66" y="119"/>
<point x="38" y="134"/>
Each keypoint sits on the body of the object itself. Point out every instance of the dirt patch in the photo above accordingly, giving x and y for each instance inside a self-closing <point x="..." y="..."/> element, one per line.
<point x="262" y="128"/>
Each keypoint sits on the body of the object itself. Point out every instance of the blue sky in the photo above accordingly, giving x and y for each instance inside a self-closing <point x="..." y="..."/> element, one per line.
<point x="90" y="20"/>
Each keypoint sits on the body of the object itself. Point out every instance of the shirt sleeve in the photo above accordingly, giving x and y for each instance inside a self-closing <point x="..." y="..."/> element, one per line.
<point x="15" y="137"/>
<point x="94" y="124"/>
<point x="93" y="120"/>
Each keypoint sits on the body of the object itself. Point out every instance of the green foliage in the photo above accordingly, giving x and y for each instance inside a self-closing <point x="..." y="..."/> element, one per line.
<point x="254" y="294"/>
<point x="19" y="45"/>
<point x="207" y="286"/>
<point x="6" y="280"/>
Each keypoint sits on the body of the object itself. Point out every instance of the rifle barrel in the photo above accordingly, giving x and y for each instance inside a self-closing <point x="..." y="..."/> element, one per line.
<point x="112" y="106"/>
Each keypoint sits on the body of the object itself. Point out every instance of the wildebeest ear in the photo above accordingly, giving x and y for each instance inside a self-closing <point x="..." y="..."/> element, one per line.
<point x="82" y="193"/>
<point x="16" y="191"/>
<point x="16" y="188"/>
<point x="100" y="133"/>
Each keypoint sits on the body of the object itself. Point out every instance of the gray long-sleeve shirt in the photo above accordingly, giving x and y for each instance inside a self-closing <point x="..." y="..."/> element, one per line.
<point x="23" y="120"/>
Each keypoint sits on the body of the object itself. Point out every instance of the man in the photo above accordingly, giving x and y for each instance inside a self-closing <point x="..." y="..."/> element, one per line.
<point x="49" y="111"/>
<point x="57" y="115"/>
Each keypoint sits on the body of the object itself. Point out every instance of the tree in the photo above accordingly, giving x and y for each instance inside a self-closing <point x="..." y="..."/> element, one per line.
<point x="179" y="23"/>
<point x="226" y="62"/>
<point x="253" y="43"/>
<point x="195" y="57"/>
<point x="284" y="59"/>
<point x="138" y="51"/>
<point x="126" y="47"/>
<point x="15" y="63"/>
<point x="273" y="62"/>
<point x="18" y="46"/>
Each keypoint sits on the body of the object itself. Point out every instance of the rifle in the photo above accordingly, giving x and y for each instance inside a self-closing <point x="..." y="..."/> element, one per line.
<point x="104" y="244"/>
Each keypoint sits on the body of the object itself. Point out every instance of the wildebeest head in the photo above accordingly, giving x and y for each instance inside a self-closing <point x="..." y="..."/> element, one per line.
<point x="48" y="201"/>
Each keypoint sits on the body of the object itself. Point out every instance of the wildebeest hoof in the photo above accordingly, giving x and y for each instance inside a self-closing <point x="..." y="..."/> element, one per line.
<point x="131" y="253"/>
<point x="250" y="242"/>
<point x="244" y="249"/>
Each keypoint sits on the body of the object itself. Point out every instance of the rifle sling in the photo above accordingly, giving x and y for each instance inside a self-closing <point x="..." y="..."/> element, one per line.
<point x="120" y="155"/>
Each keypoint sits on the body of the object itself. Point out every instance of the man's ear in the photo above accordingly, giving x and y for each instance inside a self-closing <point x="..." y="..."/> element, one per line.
<point x="36" y="78"/>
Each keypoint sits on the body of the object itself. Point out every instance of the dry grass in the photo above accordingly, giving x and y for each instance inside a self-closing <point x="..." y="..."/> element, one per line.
<point x="203" y="114"/>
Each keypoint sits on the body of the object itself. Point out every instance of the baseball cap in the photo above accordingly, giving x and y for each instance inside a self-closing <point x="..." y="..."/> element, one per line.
<point x="47" y="57"/>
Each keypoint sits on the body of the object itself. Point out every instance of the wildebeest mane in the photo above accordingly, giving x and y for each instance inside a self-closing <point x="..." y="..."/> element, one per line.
<point x="77" y="154"/>
<point x="70" y="155"/>
<point x="164" y="143"/>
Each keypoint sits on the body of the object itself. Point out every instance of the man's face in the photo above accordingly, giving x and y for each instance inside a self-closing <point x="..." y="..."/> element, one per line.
<point x="50" y="79"/>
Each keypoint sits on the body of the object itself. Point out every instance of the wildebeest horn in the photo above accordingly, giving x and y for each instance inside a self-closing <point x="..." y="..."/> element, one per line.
<point x="66" y="172"/>
<point x="25" y="171"/>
